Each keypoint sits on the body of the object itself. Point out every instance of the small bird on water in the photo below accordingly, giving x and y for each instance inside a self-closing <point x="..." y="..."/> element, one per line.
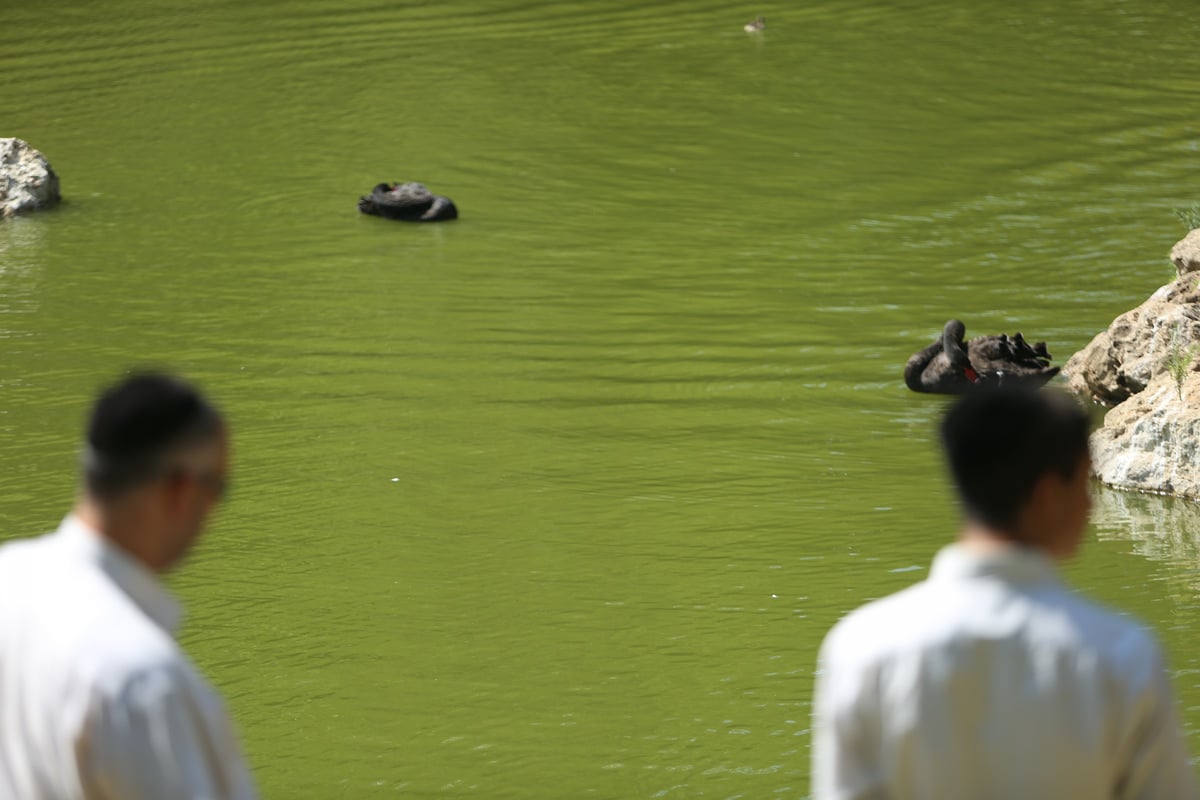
<point x="759" y="23"/>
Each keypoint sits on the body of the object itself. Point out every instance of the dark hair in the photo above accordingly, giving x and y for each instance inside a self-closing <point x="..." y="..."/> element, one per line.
<point x="1000" y="441"/>
<point x="138" y="422"/>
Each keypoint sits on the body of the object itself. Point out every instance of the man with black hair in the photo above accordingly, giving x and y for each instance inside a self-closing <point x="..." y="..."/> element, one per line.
<point x="97" y="701"/>
<point x="991" y="679"/>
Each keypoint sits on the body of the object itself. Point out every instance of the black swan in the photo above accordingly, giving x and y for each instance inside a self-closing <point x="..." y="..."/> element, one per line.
<point x="951" y="366"/>
<point x="407" y="201"/>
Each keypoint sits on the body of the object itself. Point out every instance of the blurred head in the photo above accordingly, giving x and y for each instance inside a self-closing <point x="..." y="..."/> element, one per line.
<point x="1019" y="460"/>
<point x="155" y="447"/>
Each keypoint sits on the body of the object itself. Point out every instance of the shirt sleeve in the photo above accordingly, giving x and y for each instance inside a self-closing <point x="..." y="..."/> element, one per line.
<point x="845" y="763"/>
<point x="1157" y="766"/>
<point x="164" y="736"/>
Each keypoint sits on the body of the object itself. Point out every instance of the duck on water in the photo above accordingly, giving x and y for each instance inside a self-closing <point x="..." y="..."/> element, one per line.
<point x="407" y="201"/>
<point x="951" y="365"/>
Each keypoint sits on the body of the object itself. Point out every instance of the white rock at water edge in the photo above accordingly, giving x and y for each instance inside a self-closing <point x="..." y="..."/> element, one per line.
<point x="1121" y="362"/>
<point x="1145" y="366"/>
<point x="27" y="181"/>
<point x="1185" y="255"/>
<point x="1151" y="441"/>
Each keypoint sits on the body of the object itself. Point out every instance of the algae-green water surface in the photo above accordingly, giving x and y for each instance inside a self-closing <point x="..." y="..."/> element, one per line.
<point x="557" y="500"/>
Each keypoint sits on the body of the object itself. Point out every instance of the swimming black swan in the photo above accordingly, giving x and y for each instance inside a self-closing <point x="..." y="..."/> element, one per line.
<point x="951" y="366"/>
<point x="407" y="201"/>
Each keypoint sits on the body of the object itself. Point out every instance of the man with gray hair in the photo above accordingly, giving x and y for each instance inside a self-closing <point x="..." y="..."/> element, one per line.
<point x="97" y="701"/>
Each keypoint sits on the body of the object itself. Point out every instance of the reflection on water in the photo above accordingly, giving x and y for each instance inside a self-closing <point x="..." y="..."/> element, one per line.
<point x="1160" y="579"/>
<point x="20" y="268"/>
<point x="21" y="241"/>
<point x="1161" y="528"/>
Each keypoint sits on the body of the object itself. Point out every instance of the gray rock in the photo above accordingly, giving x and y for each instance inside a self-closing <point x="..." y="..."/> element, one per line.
<point x="1185" y="255"/>
<point x="26" y="180"/>
<point x="1151" y="441"/>
<point x="1121" y="361"/>
<point x="1145" y="367"/>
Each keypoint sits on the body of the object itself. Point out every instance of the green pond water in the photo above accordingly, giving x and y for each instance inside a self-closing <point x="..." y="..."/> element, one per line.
<point x="557" y="500"/>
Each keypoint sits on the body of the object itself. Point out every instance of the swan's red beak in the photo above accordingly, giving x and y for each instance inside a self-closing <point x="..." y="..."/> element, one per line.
<point x="971" y="374"/>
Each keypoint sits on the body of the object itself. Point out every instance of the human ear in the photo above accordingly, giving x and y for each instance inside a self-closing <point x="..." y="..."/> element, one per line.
<point x="178" y="487"/>
<point x="1043" y="507"/>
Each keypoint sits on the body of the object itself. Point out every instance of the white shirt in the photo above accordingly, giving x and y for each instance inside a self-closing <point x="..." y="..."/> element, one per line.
<point x="97" y="702"/>
<point x="991" y="680"/>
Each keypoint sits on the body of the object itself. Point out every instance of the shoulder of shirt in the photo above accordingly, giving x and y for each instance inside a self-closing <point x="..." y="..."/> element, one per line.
<point x="881" y="619"/>
<point x="914" y="616"/>
<point x="143" y="680"/>
<point x="139" y="662"/>
<point x="1123" y="639"/>
<point x="13" y="553"/>
<point x="106" y="637"/>
<point x="124" y="645"/>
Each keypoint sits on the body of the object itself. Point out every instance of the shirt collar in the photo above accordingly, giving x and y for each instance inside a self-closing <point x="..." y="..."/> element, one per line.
<point x="133" y="577"/>
<point x="1015" y="564"/>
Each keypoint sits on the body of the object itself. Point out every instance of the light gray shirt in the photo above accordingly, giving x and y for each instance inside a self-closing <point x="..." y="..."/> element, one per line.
<point x="97" y="702"/>
<point x="991" y="679"/>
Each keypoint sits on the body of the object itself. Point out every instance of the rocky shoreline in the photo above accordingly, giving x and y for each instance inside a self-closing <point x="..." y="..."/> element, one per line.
<point x="1144" y="369"/>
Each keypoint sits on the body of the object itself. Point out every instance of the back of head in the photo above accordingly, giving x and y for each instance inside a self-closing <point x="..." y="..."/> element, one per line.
<point x="1000" y="441"/>
<point x="137" y="425"/>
